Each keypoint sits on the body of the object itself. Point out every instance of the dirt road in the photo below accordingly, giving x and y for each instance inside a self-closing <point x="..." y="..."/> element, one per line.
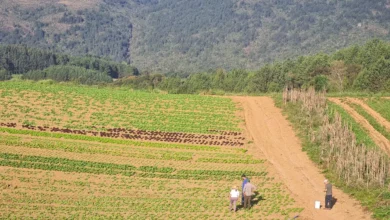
<point x="376" y="136"/>
<point x="274" y="136"/>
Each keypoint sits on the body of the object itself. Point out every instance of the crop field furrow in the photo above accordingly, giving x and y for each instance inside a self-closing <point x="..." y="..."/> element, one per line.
<point x="233" y="139"/>
<point x="75" y="152"/>
<point x="118" y="141"/>
<point x="124" y="160"/>
<point x="56" y="108"/>
<point x="377" y="137"/>
<point x="125" y="151"/>
<point x="378" y="117"/>
<point x="380" y="105"/>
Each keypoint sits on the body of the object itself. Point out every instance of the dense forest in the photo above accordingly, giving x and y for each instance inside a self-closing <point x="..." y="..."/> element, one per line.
<point x="36" y="64"/>
<point x="186" y="36"/>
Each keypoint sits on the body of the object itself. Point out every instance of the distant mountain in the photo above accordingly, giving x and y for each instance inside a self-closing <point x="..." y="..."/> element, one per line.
<point x="193" y="35"/>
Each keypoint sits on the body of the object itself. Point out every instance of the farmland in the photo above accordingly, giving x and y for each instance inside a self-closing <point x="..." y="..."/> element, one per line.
<point x="348" y="140"/>
<point x="70" y="152"/>
<point x="371" y="113"/>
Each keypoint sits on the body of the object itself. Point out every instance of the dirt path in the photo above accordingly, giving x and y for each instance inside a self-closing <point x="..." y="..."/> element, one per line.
<point x="377" y="137"/>
<point x="378" y="117"/>
<point x="275" y="137"/>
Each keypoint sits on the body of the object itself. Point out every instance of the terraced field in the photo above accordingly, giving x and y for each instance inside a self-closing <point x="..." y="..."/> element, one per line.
<point x="373" y="115"/>
<point x="82" y="152"/>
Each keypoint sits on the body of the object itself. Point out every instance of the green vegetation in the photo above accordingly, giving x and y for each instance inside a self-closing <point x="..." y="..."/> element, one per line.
<point x="69" y="73"/>
<point x="380" y="105"/>
<point x="357" y="68"/>
<point x="369" y="194"/>
<point x="107" y="140"/>
<point x="60" y="164"/>
<point x="191" y="35"/>
<point x="36" y="64"/>
<point x="39" y="187"/>
<point x="47" y="174"/>
<point x="79" y="107"/>
<point x="371" y="120"/>
<point x="361" y="135"/>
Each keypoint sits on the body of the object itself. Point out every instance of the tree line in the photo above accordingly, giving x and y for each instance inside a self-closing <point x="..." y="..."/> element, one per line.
<point x="37" y="64"/>
<point x="356" y="68"/>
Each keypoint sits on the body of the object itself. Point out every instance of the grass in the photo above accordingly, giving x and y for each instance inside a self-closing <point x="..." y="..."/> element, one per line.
<point x="380" y="105"/>
<point x="373" y="122"/>
<point x="357" y="94"/>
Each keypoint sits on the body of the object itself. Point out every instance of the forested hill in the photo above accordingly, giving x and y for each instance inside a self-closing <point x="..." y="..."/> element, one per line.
<point x="193" y="35"/>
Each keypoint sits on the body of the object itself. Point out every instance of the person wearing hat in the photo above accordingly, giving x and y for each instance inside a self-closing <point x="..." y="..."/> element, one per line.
<point x="328" y="195"/>
<point x="234" y="195"/>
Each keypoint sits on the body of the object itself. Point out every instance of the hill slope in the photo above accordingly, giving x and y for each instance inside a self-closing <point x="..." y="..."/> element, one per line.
<point x="193" y="35"/>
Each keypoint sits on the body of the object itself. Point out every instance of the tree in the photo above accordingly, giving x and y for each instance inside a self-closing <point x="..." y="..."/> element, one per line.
<point x="338" y="75"/>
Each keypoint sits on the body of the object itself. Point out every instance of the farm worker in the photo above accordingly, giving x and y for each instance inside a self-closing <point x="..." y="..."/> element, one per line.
<point x="234" y="195"/>
<point x="248" y="192"/>
<point x="328" y="195"/>
<point x="244" y="181"/>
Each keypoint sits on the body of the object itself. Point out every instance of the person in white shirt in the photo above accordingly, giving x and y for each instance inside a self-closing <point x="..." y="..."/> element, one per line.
<point x="234" y="195"/>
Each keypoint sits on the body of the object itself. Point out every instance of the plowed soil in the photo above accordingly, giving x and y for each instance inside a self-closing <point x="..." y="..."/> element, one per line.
<point x="275" y="138"/>
<point x="376" y="136"/>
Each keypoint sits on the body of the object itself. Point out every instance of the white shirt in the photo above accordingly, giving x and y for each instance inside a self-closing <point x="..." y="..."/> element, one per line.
<point x="234" y="193"/>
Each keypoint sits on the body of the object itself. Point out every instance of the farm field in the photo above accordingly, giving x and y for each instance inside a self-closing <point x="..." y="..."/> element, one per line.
<point x="86" y="152"/>
<point x="368" y="118"/>
<point x="372" y="115"/>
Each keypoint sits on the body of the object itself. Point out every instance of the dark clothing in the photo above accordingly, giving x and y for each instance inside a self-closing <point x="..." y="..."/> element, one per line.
<point x="328" y="188"/>
<point x="328" y="201"/>
<point x="247" y="201"/>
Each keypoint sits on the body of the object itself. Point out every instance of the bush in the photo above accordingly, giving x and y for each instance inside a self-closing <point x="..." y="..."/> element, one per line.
<point x="4" y="75"/>
<point x="69" y="73"/>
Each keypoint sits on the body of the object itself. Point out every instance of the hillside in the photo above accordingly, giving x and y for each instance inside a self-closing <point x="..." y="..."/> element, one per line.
<point x="193" y="35"/>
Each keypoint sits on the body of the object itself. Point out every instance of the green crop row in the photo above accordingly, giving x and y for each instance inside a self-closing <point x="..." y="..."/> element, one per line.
<point x="117" y="108"/>
<point x="380" y="105"/>
<point x="231" y="161"/>
<point x="67" y="165"/>
<point x="154" y="169"/>
<point x="221" y="173"/>
<point x="114" y="141"/>
<point x="185" y="176"/>
<point x="65" y="162"/>
<point x="84" y="148"/>
<point x="64" y="168"/>
<point x="373" y="122"/>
